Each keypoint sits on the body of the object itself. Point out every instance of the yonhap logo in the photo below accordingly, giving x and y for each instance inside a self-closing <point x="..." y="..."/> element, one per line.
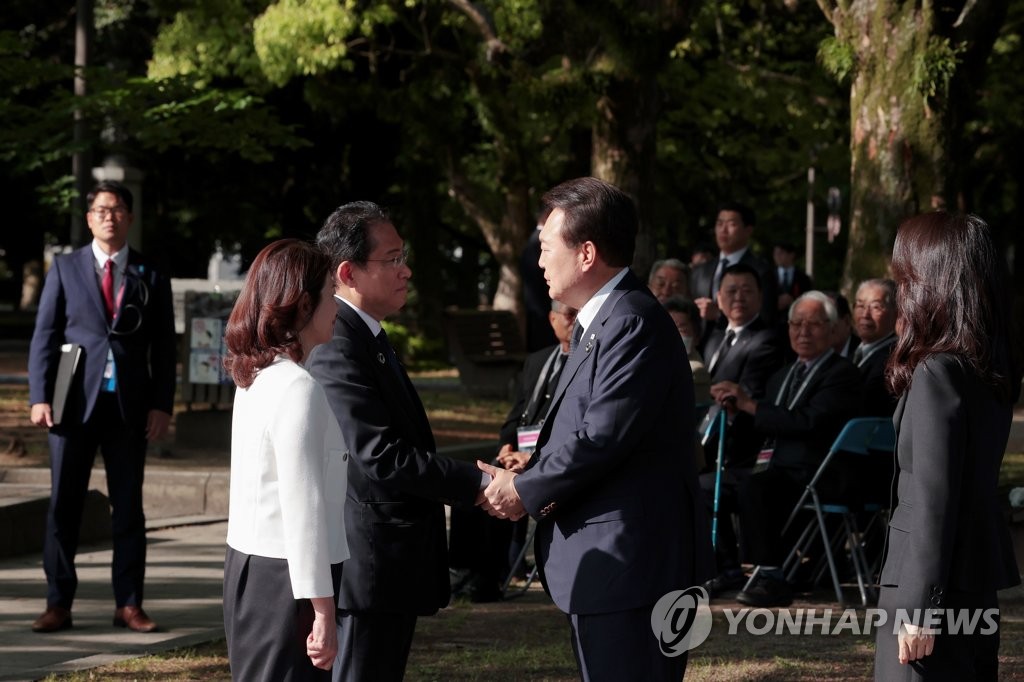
<point x="681" y="620"/>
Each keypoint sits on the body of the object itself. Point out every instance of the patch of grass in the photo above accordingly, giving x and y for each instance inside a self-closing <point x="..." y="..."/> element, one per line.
<point x="528" y="639"/>
<point x="202" y="662"/>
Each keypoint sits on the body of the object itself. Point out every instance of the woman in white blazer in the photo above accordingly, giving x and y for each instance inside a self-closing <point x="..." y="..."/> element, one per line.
<point x="286" y="530"/>
<point x="949" y="547"/>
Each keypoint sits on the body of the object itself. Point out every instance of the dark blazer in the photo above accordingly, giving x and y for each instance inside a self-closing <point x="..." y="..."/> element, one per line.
<point x="753" y="358"/>
<point x="702" y="277"/>
<point x="800" y="284"/>
<point x="141" y="337"/>
<point x="878" y="402"/>
<point x="804" y="434"/>
<point x="527" y="411"/>
<point x="948" y="531"/>
<point x="394" y="514"/>
<point x="614" y="482"/>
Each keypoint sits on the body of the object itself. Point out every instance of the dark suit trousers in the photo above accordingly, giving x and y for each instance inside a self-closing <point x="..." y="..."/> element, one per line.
<point x="372" y="646"/>
<point x="956" y="658"/>
<point x="726" y="544"/>
<point x="72" y="453"/>
<point x="765" y="502"/>
<point x="266" y="626"/>
<point x="479" y="542"/>
<point x="620" y="646"/>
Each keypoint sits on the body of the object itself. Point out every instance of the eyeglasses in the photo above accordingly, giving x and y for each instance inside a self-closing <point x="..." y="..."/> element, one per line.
<point x="102" y="212"/>
<point x="396" y="262"/>
<point x="811" y="325"/>
<point x="873" y="306"/>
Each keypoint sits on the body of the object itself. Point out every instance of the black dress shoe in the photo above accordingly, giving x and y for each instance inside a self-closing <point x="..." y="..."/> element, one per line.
<point x="483" y="591"/>
<point x="54" y="618"/>
<point x="458" y="579"/>
<point x="767" y="592"/>
<point x="725" y="583"/>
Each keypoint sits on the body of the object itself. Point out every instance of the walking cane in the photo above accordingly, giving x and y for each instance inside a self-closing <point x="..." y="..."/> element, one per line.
<point x="718" y="476"/>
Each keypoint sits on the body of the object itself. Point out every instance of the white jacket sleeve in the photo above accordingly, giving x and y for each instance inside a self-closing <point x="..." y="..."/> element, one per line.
<point x="297" y="431"/>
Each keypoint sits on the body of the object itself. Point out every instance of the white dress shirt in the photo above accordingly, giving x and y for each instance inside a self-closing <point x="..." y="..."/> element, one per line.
<point x="289" y="476"/>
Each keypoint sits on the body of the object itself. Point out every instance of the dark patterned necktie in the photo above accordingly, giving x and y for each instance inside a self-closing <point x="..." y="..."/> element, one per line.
<point x="577" y="334"/>
<point x="723" y="350"/>
<point x="796" y="381"/>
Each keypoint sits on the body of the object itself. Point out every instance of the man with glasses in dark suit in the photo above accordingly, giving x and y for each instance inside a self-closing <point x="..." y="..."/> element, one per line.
<point x="397" y="484"/>
<point x="108" y="303"/>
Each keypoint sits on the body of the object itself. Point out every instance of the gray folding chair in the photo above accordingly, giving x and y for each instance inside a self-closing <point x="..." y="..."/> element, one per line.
<point x="868" y="437"/>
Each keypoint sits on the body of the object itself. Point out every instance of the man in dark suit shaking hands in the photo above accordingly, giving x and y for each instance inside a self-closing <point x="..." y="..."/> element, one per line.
<point x="116" y="307"/>
<point x="613" y="482"/>
<point x="394" y="516"/>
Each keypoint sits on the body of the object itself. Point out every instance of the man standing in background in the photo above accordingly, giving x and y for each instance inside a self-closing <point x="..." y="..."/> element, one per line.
<point x="734" y="227"/>
<point x="108" y="303"/>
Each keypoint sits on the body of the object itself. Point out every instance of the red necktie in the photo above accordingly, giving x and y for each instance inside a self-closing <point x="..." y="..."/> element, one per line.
<point x="107" y="287"/>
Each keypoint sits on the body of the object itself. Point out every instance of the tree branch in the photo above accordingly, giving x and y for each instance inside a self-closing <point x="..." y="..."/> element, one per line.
<point x="826" y="9"/>
<point x="492" y="42"/>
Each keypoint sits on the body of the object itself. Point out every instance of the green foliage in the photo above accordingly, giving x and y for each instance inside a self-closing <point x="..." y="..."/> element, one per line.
<point x="747" y="110"/>
<point x="411" y="347"/>
<point x="209" y="40"/>
<point x="935" y="66"/>
<point x="304" y="37"/>
<point x="838" y="58"/>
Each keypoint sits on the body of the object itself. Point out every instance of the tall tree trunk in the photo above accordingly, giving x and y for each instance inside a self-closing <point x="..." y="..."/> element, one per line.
<point x="636" y="47"/>
<point x="623" y="150"/>
<point x="908" y="58"/>
<point x="505" y="235"/>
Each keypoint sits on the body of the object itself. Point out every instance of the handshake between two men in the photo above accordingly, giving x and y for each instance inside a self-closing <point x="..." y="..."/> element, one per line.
<point x="499" y="498"/>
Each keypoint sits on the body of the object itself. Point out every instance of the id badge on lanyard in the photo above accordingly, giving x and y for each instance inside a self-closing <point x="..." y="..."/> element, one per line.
<point x="109" y="384"/>
<point x="526" y="437"/>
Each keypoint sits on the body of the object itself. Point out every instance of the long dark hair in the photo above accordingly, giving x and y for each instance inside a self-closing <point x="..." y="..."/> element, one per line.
<point x="277" y="300"/>
<point x="952" y="296"/>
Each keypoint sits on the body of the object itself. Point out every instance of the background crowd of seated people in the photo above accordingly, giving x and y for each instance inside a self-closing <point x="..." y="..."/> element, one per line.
<point x="734" y="345"/>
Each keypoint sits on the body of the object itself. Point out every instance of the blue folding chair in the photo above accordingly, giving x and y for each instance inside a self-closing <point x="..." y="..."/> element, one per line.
<point x="868" y="437"/>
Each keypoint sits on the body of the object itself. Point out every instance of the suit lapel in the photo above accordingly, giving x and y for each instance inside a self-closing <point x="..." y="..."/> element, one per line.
<point x="897" y="416"/>
<point x="130" y="292"/>
<point x="401" y="396"/>
<point x="587" y="347"/>
<point x="85" y="264"/>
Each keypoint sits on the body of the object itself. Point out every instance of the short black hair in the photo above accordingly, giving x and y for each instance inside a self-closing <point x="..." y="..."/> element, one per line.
<point x="679" y="304"/>
<point x="115" y="188"/>
<point x="345" y="235"/>
<point x="743" y="269"/>
<point x="598" y="212"/>
<point x="788" y="247"/>
<point x="746" y="213"/>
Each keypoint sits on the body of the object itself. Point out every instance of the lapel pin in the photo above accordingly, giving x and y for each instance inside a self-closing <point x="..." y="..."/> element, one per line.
<point x="590" y="343"/>
<point x="380" y="358"/>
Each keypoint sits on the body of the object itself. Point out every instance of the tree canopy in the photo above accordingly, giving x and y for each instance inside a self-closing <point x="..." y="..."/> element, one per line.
<point x="253" y="119"/>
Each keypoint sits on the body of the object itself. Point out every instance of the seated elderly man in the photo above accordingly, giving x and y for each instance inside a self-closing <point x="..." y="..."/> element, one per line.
<point x="805" y="406"/>
<point x="874" y="317"/>
<point x="744" y="353"/>
<point x="669" y="277"/>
